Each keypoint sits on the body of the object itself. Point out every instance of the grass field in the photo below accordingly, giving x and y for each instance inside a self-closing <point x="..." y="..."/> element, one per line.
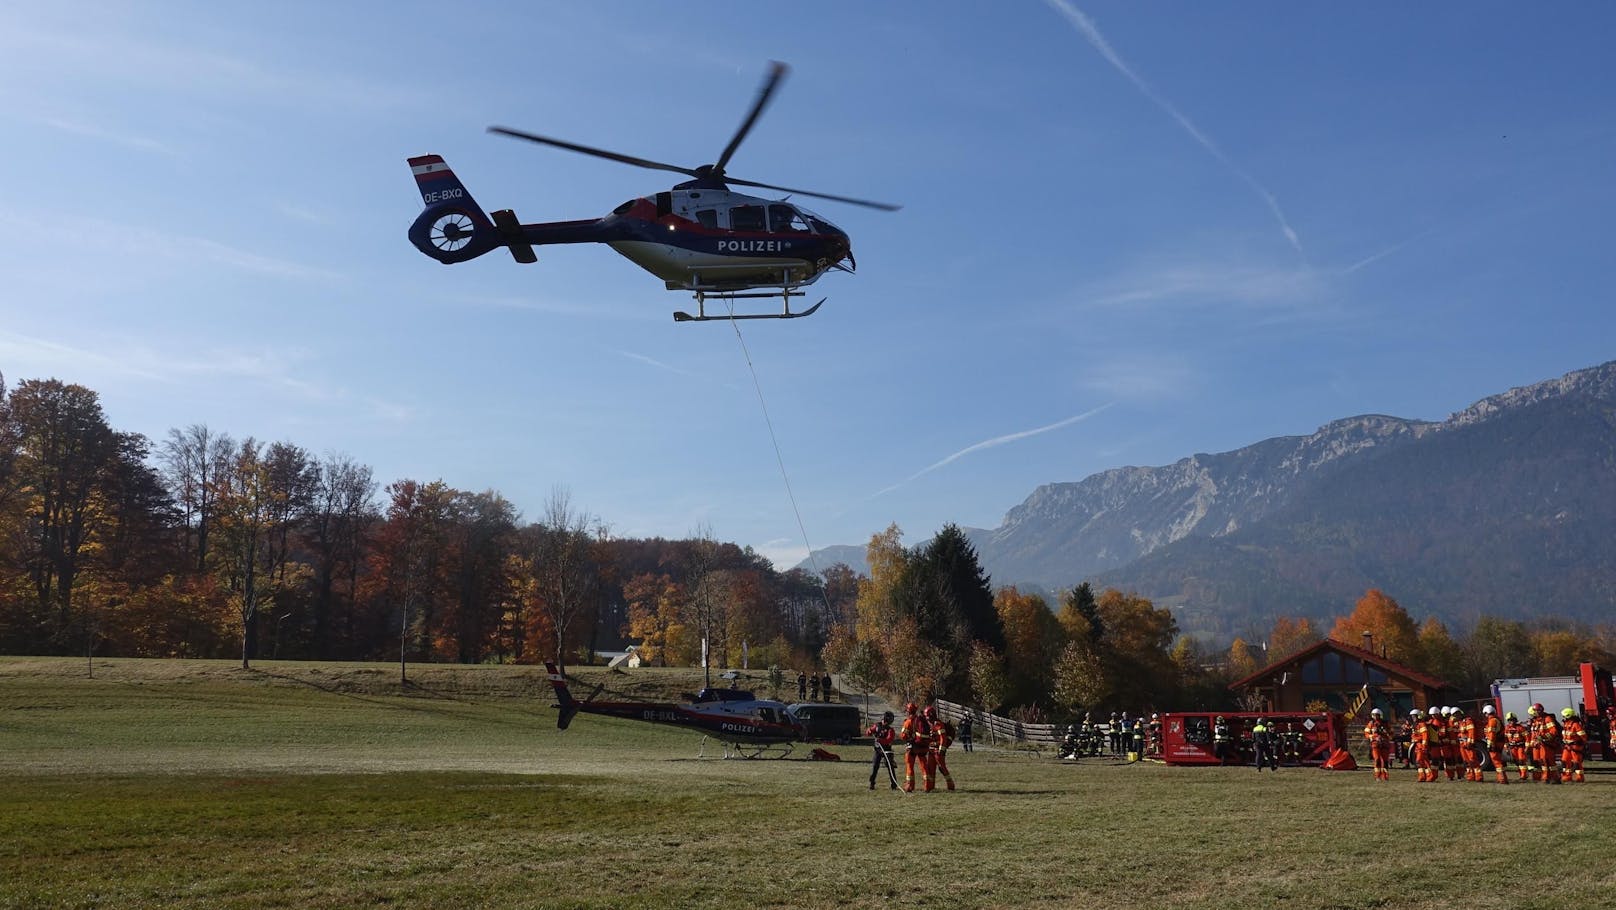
<point x="196" y="784"/>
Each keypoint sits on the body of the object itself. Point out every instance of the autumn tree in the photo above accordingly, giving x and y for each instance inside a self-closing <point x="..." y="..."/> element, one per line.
<point x="258" y="500"/>
<point x="1079" y="616"/>
<point x="1388" y="624"/>
<point x="1291" y="635"/>
<point x="1440" y="655"/>
<point x="654" y="605"/>
<point x="1242" y="662"/>
<point x="1082" y="681"/>
<point x="340" y="513"/>
<point x="193" y="461"/>
<point x="1496" y="649"/>
<point x="565" y="574"/>
<point x="1033" y="643"/>
<point x="1135" y="647"/>
<point x="62" y="452"/>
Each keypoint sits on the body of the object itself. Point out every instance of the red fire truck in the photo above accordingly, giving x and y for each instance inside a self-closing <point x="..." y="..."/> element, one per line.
<point x="1589" y="693"/>
<point x="1306" y="739"/>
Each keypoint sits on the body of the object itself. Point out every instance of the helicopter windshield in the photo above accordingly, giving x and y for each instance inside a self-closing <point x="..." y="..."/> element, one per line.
<point x="820" y="225"/>
<point x="786" y="219"/>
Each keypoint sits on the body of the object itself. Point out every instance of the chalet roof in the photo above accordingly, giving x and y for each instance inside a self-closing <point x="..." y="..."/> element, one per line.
<point x="1392" y="667"/>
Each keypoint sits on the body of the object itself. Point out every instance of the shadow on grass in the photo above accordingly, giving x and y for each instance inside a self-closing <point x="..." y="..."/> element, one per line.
<point x="524" y="720"/>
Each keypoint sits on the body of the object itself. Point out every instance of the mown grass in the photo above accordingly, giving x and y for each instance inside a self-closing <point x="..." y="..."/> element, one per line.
<point x="193" y="784"/>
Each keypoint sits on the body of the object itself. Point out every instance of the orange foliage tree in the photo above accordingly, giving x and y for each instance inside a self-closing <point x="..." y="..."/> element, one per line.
<point x="1388" y="623"/>
<point x="1291" y="635"/>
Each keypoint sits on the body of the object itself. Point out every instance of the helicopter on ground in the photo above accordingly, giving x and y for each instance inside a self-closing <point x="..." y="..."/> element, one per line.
<point x="747" y="726"/>
<point x="700" y="236"/>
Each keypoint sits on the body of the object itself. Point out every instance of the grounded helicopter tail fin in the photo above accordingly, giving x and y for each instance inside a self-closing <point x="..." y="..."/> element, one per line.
<point x="453" y="228"/>
<point x="567" y="704"/>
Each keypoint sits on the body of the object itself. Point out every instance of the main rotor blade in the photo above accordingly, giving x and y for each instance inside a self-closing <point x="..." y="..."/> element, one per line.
<point x="777" y="71"/>
<point x="598" y="153"/>
<point x="883" y="206"/>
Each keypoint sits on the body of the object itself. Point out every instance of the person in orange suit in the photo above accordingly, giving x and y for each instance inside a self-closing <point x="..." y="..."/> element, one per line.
<point x="1427" y="739"/>
<point x="916" y="736"/>
<point x="1544" y="737"/>
<point x="1575" y="737"/>
<point x="1379" y="737"/>
<point x="1515" y="745"/>
<point x="1436" y="742"/>
<point x="1492" y="742"/>
<point x="942" y="736"/>
<point x="1464" y="735"/>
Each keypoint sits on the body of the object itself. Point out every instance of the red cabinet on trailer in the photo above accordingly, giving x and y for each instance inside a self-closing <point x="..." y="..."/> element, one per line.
<point x="1187" y="736"/>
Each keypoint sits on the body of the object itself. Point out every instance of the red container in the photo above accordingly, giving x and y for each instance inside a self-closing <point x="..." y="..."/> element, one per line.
<point x="1187" y="737"/>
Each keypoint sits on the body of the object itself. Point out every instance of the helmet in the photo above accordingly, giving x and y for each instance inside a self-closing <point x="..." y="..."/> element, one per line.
<point x="1155" y="717"/>
<point x="1435" y="711"/>
<point x="1220" y="718"/>
<point x="1568" y="713"/>
<point x="909" y="708"/>
<point x="1415" y="712"/>
<point x="931" y="711"/>
<point x="1486" y="709"/>
<point x="887" y="716"/>
<point x="1537" y="707"/>
<point x="1375" y="712"/>
<point x="1447" y="710"/>
<point x="1510" y="716"/>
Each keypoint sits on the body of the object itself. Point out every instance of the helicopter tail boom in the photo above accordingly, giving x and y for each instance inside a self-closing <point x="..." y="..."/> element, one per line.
<point x="453" y="228"/>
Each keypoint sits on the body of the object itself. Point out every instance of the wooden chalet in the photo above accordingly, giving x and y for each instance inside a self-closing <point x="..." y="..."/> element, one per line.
<point x="1346" y="679"/>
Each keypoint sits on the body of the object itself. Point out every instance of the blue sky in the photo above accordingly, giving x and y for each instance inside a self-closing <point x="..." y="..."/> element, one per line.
<point x="1131" y="232"/>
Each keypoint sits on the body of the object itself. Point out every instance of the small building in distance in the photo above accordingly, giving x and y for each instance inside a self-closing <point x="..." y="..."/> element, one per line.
<point x="1345" y="678"/>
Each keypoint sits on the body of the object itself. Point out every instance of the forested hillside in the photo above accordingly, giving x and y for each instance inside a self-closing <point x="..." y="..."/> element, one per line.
<point x="202" y="544"/>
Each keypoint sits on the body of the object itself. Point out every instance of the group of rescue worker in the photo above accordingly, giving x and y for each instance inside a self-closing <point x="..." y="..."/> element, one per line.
<point x="1123" y="735"/>
<point x="926" y="738"/>
<point x="1450" y="741"/>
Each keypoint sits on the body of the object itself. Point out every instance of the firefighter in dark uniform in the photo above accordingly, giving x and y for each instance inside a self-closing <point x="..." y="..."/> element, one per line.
<point x="1222" y="740"/>
<point x="1154" y="746"/>
<point x="1114" y="733"/>
<point x="1089" y="735"/>
<point x="1293" y="744"/>
<point x="882" y="734"/>
<point x="1264" y="744"/>
<point x="1403" y="741"/>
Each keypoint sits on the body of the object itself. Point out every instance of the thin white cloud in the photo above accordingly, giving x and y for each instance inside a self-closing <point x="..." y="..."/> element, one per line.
<point x="30" y="356"/>
<point x="650" y="361"/>
<point x="198" y="70"/>
<point x="1086" y="27"/>
<point x="1211" y="283"/>
<point x="103" y="134"/>
<point x="991" y="443"/>
<point x="141" y="245"/>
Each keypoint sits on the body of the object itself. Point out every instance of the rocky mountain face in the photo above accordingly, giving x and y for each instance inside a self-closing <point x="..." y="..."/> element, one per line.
<point x="1507" y="507"/>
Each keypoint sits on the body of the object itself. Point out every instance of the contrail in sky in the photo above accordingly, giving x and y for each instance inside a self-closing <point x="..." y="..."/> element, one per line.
<point x="1087" y="28"/>
<point x="995" y="441"/>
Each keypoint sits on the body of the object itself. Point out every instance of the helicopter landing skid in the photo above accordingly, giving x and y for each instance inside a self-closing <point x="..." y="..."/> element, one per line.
<point x="785" y="295"/>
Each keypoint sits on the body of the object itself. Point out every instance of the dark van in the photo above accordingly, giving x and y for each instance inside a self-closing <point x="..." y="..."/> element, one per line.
<point x="835" y="723"/>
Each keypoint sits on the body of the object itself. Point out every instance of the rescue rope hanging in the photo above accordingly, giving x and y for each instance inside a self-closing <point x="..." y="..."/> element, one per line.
<point x="778" y="457"/>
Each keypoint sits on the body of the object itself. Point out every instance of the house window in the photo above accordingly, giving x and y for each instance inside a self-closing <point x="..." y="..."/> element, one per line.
<point x="1331" y="671"/>
<point x="1311" y="673"/>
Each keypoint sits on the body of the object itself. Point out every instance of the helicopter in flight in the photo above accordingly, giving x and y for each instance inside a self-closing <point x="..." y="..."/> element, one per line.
<point x="700" y="236"/>
<point x="747" y="726"/>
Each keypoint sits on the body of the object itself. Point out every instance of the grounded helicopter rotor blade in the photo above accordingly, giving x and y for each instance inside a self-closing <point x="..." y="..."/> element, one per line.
<point x="883" y="206"/>
<point x="777" y="72"/>
<point x="598" y="153"/>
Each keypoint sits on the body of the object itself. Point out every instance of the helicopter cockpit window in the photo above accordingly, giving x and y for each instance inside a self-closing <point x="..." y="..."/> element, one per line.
<point x="707" y="217"/>
<point x="787" y="219"/>
<point x="746" y="218"/>
<point x="624" y="207"/>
